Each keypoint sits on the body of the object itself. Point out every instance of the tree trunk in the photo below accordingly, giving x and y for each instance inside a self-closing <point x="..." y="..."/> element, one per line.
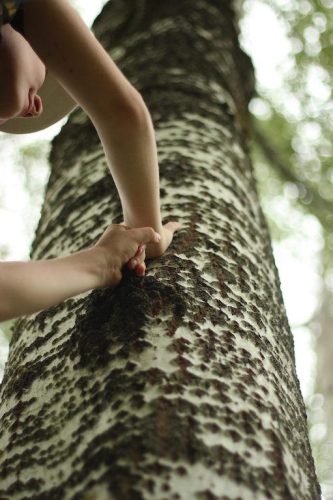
<point x="181" y="384"/>
<point x="324" y="381"/>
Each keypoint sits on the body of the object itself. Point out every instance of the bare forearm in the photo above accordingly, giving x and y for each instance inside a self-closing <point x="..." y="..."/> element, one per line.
<point x="28" y="287"/>
<point x="60" y="37"/>
<point x="132" y="157"/>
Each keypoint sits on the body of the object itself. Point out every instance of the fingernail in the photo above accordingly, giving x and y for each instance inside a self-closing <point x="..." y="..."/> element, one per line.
<point x="133" y="264"/>
<point x="157" y="237"/>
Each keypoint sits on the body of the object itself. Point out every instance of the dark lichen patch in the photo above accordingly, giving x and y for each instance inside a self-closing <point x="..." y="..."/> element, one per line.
<point x="206" y="495"/>
<point x="182" y="363"/>
<point x="155" y="376"/>
<point x="219" y="386"/>
<point x="212" y="427"/>
<point x="180" y="346"/>
<point x="21" y="486"/>
<point x="198" y="392"/>
<point x="42" y="318"/>
<point x="106" y="322"/>
<point x="23" y="377"/>
<point x="165" y="487"/>
<point x="137" y="401"/>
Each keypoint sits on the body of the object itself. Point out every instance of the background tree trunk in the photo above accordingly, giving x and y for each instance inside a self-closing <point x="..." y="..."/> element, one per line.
<point x="182" y="384"/>
<point x="322" y="323"/>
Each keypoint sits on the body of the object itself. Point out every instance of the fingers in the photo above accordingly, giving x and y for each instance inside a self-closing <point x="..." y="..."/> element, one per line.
<point x="138" y="258"/>
<point x="146" y="235"/>
<point x="141" y="251"/>
<point x="132" y="264"/>
<point x="173" y="226"/>
<point x="140" y="269"/>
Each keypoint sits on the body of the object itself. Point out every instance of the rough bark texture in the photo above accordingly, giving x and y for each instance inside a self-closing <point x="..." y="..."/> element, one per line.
<point x="180" y="385"/>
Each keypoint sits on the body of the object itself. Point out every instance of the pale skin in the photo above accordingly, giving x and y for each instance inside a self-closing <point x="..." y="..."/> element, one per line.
<point x="56" y="38"/>
<point x="28" y="287"/>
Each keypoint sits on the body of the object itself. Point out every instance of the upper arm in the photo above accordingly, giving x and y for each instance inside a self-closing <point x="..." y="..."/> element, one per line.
<point x="70" y="50"/>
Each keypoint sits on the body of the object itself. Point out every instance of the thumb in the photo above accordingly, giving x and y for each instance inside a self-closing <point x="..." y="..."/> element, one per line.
<point x="173" y="226"/>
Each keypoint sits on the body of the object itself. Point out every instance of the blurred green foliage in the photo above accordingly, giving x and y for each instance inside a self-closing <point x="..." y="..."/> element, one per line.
<point x="32" y="161"/>
<point x="6" y="328"/>
<point x="297" y="127"/>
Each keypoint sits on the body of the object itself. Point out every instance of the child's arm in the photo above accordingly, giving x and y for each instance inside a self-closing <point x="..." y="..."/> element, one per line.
<point x="69" y="49"/>
<point x="28" y="287"/>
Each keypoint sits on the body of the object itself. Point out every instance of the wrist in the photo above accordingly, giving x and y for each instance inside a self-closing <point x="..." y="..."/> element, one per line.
<point x="133" y="222"/>
<point x="104" y="266"/>
<point x="91" y="263"/>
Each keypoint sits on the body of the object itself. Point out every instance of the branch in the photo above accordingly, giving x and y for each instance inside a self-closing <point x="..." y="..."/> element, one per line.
<point x="315" y="203"/>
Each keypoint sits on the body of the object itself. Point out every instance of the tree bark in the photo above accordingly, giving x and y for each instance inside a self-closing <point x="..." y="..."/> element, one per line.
<point x="181" y="384"/>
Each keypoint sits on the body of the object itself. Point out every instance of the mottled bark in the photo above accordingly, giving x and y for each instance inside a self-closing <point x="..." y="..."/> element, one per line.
<point x="180" y="385"/>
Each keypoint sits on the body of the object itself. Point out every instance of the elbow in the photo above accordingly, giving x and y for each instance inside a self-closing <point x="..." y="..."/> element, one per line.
<point x="134" y="108"/>
<point x="122" y="114"/>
